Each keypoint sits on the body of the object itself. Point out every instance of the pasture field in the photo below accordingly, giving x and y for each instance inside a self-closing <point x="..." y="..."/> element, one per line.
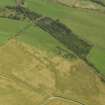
<point x="88" y="25"/>
<point x="9" y="28"/>
<point x="7" y="2"/>
<point x="37" y="38"/>
<point x="97" y="57"/>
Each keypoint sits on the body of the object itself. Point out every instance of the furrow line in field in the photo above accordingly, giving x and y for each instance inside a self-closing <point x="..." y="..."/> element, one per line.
<point x="63" y="99"/>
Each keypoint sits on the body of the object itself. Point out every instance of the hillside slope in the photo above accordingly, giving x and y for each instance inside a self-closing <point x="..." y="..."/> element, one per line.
<point x="37" y="78"/>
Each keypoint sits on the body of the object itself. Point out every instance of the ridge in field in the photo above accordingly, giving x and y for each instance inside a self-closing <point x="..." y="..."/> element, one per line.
<point x="38" y="78"/>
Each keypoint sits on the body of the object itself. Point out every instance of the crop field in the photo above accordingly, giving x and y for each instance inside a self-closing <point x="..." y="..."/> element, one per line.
<point x="52" y="52"/>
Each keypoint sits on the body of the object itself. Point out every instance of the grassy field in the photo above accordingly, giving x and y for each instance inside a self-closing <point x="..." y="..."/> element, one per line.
<point x="97" y="57"/>
<point x="37" y="38"/>
<point x="87" y="24"/>
<point x="9" y="28"/>
<point x="7" y="2"/>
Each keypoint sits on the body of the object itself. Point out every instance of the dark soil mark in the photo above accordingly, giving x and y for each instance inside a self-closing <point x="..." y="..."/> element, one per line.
<point x="65" y="36"/>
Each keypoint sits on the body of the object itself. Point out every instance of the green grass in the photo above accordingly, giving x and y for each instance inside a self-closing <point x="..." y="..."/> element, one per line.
<point x="97" y="57"/>
<point x="6" y="2"/>
<point x="9" y="28"/>
<point x="87" y="24"/>
<point x="37" y="38"/>
<point x="29" y="77"/>
<point x="4" y="37"/>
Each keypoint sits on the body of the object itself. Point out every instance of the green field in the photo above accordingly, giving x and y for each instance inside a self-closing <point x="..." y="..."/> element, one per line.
<point x="40" y="39"/>
<point x="87" y="24"/>
<point x="9" y="28"/>
<point x="7" y="2"/>
<point x="97" y="57"/>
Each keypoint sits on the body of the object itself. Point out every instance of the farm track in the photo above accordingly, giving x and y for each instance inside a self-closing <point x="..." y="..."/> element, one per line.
<point x="28" y="86"/>
<point x="61" y="98"/>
